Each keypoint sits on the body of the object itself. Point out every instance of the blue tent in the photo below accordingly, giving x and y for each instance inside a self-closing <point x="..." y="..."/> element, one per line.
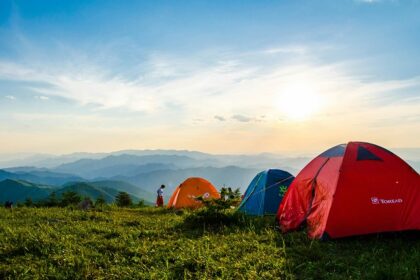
<point x="264" y="194"/>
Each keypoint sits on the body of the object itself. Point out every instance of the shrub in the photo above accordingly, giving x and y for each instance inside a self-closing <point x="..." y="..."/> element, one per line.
<point x="123" y="199"/>
<point x="228" y="199"/>
<point x="141" y="203"/>
<point x="217" y="211"/>
<point x="100" y="201"/>
<point x="70" y="198"/>
<point x="52" y="200"/>
<point x="28" y="202"/>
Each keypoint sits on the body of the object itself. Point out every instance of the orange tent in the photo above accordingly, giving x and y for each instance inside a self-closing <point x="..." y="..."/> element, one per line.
<point x="184" y="194"/>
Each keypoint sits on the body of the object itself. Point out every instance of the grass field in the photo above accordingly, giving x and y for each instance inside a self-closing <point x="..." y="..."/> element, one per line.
<point x="151" y="243"/>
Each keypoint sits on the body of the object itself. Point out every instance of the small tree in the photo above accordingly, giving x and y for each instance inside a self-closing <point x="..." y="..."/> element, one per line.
<point x="28" y="202"/>
<point x="141" y="204"/>
<point x="70" y="198"/>
<point x="52" y="200"/>
<point x="123" y="199"/>
<point x="100" y="201"/>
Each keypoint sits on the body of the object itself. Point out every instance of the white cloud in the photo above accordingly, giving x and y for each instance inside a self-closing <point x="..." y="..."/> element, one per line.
<point x="42" y="97"/>
<point x="192" y="90"/>
<point x="245" y="95"/>
<point x="10" y="97"/>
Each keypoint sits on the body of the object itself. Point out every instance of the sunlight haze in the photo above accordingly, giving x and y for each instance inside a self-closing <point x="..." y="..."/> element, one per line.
<point x="214" y="76"/>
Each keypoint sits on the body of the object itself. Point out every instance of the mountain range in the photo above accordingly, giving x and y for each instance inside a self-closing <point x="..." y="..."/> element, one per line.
<point x="141" y="172"/>
<point x="38" y="176"/>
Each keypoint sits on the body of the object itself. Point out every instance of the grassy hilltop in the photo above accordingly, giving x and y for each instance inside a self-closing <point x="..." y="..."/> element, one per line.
<point x="147" y="243"/>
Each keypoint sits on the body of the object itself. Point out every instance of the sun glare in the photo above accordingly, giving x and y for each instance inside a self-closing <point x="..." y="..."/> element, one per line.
<point x="299" y="102"/>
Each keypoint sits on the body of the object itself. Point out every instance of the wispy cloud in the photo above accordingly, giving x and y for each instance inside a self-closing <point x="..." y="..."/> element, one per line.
<point x="195" y="96"/>
<point x="368" y="1"/>
<point x="220" y="118"/>
<point x="130" y="92"/>
<point x="227" y="88"/>
<point x="41" y="97"/>
<point x="241" y="118"/>
<point x="286" y="50"/>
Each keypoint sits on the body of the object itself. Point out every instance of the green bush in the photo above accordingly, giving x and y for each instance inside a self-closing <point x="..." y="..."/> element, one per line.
<point x="51" y="201"/>
<point x="70" y="198"/>
<point x="100" y="202"/>
<point x="229" y="199"/>
<point x="140" y="204"/>
<point x="217" y="211"/>
<point x="123" y="199"/>
<point x="28" y="202"/>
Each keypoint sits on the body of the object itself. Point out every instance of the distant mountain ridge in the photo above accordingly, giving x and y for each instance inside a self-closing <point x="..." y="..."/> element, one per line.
<point x="145" y="183"/>
<point x="230" y="176"/>
<point x="264" y="160"/>
<point x="39" y="176"/>
<point x="114" y="165"/>
<point x="131" y="165"/>
<point x="244" y="160"/>
<point x="141" y="172"/>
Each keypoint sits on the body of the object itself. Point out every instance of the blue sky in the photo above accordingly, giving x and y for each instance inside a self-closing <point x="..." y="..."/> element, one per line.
<point x="216" y="76"/>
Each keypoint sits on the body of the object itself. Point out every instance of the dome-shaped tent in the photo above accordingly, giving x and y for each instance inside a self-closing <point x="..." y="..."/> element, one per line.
<point x="265" y="192"/>
<point x="353" y="189"/>
<point x="185" y="194"/>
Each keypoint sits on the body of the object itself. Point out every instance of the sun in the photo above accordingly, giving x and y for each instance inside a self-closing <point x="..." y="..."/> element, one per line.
<point x="299" y="101"/>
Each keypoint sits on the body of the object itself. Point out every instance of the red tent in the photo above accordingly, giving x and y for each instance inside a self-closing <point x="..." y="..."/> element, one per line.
<point x="353" y="189"/>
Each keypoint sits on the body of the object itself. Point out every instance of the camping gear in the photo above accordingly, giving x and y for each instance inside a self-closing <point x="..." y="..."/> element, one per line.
<point x="265" y="192"/>
<point x="185" y="194"/>
<point x="353" y="189"/>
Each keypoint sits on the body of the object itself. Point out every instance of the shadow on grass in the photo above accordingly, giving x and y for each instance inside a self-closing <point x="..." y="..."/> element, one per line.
<point x="394" y="255"/>
<point x="158" y="211"/>
<point x="412" y="235"/>
<point x="202" y="222"/>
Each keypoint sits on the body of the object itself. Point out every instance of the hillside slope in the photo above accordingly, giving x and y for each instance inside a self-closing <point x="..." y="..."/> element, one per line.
<point x="19" y="191"/>
<point x="89" y="190"/>
<point x="126" y="187"/>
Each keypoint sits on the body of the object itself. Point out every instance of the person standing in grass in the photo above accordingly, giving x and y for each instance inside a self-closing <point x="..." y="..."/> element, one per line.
<point x="159" y="199"/>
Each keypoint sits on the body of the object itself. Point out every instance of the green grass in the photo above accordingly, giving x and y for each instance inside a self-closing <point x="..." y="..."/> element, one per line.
<point x="158" y="244"/>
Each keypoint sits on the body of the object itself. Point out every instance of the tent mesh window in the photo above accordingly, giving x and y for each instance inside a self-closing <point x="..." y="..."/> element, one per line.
<point x="365" y="154"/>
<point x="337" y="151"/>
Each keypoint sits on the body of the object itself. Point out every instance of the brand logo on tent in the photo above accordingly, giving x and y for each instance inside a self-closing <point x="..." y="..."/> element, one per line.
<point x="376" y="200"/>
<point x="205" y="195"/>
